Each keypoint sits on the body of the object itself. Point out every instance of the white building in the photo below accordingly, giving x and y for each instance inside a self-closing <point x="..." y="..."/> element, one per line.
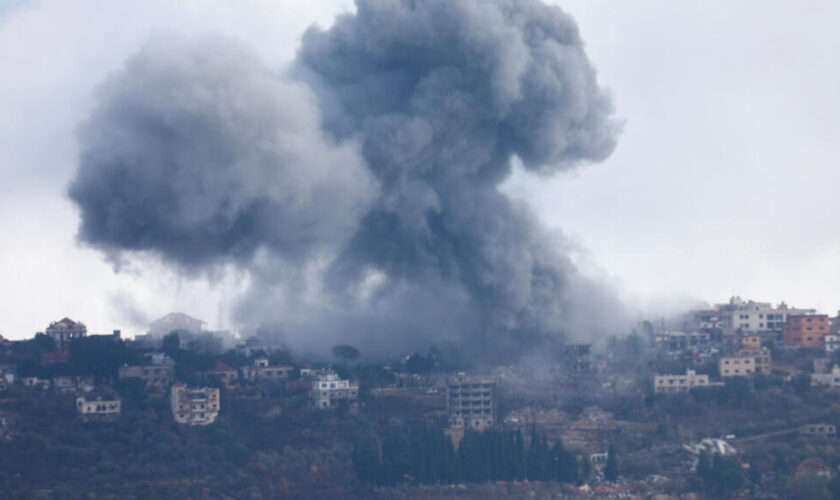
<point x="831" y="343"/>
<point x="679" y="383"/>
<point x="830" y="379"/>
<point x="194" y="406"/>
<point x="98" y="408"/>
<point x="329" y="390"/>
<point x="66" y="330"/>
<point x="756" y="317"/>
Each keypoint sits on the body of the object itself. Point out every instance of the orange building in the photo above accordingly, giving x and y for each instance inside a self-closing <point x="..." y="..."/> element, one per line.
<point x="806" y="330"/>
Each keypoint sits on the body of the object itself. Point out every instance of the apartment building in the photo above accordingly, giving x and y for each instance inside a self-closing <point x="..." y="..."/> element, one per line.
<point x="806" y="330"/>
<point x="756" y="317"/>
<point x="746" y="362"/>
<point x="194" y="405"/>
<point x="329" y="391"/>
<point x="471" y="402"/>
<point x="670" y="384"/>
<point x="98" y="407"/>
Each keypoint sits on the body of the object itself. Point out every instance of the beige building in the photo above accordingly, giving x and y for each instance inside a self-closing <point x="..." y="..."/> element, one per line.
<point x="194" y="406"/>
<point x="98" y="408"/>
<point x="66" y="330"/>
<point x="262" y="371"/>
<point x="157" y="376"/>
<point x="471" y="402"/>
<point x="669" y="384"/>
<point x="745" y="362"/>
<point x="329" y="391"/>
<point x="223" y="373"/>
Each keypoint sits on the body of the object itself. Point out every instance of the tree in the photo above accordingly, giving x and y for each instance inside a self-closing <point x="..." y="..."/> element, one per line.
<point x="611" y="469"/>
<point x="801" y="383"/>
<point x="346" y="352"/>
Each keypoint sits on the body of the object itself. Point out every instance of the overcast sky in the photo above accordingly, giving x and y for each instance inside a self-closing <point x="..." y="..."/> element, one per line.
<point x="723" y="182"/>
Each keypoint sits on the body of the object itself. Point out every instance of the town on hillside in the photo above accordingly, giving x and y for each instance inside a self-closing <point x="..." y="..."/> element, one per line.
<point x="739" y="399"/>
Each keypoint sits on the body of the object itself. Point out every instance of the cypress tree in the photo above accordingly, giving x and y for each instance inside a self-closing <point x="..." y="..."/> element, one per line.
<point x="611" y="469"/>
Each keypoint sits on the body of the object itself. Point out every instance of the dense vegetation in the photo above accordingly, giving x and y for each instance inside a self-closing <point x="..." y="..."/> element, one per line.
<point x="425" y="454"/>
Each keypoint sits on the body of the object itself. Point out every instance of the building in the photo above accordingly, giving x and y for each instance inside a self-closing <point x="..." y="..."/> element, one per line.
<point x="43" y="383"/>
<point x="65" y="331"/>
<point x="70" y="384"/>
<point x="813" y="468"/>
<point x="157" y="376"/>
<point x="576" y="359"/>
<point x="7" y="376"/>
<point x="819" y="430"/>
<point x="262" y="371"/>
<point x="677" y="341"/>
<point x="194" y="406"/>
<point x="756" y="317"/>
<point x="751" y="342"/>
<point x="329" y="391"/>
<point x="470" y="402"/>
<point x="670" y="384"/>
<point x="98" y="408"/>
<point x="831" y="343"/>
<point x="806" y="330"/>
<point x="224" y="373"/>
<point x="746" y="362"/>
<point x="175" y="322"/>
<point x="830" y="379"/>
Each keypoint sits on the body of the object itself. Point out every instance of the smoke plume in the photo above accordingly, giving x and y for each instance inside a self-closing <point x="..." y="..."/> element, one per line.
<point x="360" y="190"/>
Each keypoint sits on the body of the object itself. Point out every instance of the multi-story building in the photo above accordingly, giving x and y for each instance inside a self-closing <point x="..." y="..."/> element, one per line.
<point x="470" y="402"/>
<point x="66" y="330"/>
<point x="157" y="376"/>
<point x="831" y="342"/>
<point x="194" y="405"/>
<point x="746" y="362"/>
<point x="830" y="379"/>
<point x="679" y="383"/>
<point x="706" y="321"/>
<point x="756" y="317"/>
<point x="806" y="330"/>
<point x="677" y="341"/>
<point x="576" y="359"/>
<point x="329" y="391"/>
<point x="98" y="407"/>
<point x="262" y="371"/>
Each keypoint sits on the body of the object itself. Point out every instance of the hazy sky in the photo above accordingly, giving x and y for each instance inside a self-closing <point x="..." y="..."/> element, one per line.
<point x="723" y="181"/>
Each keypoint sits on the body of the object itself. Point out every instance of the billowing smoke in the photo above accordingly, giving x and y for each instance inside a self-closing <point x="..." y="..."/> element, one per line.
<point x="360" y="190"/>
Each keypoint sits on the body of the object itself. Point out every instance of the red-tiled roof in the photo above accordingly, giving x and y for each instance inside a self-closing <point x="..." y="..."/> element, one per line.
<point x="811" y="466"/>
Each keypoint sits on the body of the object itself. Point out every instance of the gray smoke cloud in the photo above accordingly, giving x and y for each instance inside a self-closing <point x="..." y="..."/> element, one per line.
<point x="361" y="189"/>
<point x="198" y="153"/>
